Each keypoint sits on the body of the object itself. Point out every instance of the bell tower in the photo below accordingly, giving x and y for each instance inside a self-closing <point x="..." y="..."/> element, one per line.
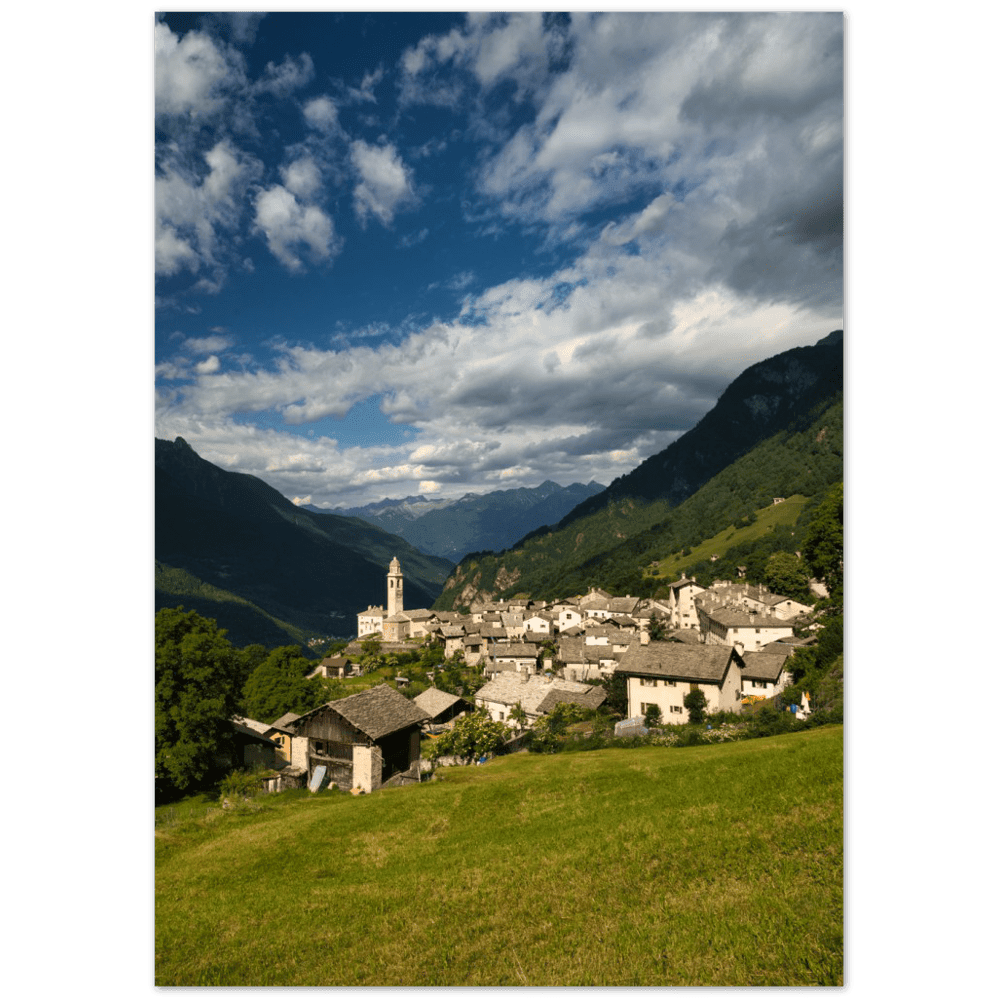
<point x="394" y="582"/>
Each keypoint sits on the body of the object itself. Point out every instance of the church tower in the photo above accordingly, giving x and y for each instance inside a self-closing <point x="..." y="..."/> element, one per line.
<point x="394" y="578"/>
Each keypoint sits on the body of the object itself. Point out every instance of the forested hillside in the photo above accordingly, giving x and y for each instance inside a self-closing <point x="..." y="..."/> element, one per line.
<point x="287" y="566"/>
<point x="613" y="547"/>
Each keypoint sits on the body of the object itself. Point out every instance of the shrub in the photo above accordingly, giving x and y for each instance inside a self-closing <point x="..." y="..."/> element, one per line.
<point x="241" y="786"/>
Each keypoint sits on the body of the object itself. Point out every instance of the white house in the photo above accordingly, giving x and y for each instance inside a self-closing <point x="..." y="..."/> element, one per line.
<point x="662" y="673"/>
<point x="729" y="626"/>
<point x="680" y="603"/>
<point x="500" y="695"/>
<point x="764" y="675"/>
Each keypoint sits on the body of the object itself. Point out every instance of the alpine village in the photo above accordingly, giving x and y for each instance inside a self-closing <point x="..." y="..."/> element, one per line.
<point x="606" y="753"/>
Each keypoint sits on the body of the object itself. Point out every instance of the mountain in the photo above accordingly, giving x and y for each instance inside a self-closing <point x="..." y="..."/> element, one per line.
<point x="272" y="561"/>
<point x="492" y="521"/>
<point x="783" y="419"/>
<point x="764" y="399"/>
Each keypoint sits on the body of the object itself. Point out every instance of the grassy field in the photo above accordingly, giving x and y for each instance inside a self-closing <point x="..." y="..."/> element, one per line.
<point x="714" y="866"/>
<point x="767" y="519"/>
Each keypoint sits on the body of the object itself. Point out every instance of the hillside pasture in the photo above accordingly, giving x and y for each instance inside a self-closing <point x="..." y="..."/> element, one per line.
<point x="768" y="518"/>
<point x="712" y="866"/>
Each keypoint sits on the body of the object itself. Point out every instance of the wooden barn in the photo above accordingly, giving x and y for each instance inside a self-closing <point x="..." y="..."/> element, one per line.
<point x="364" y="739"/>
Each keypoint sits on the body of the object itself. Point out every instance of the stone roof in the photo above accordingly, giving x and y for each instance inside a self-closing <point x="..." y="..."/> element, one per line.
<point x="372" y="613"/>
<point x="452" y="631"/>
<point x="519" y="649"/>
<point x="434" y="701"/>
<point x="509" y="689"/>
<point x="417" y="615"/>
<point x="683" y="582"/>
<point x="473" y="640"/>
<point x="588" y="699"/>
<point x="739" y="618"/>
<point x="258" y="727"/>
<point x="690" y="636"/>
<point x="399" y="617"/>
<point x="677" y="661"/>
<point x="493" y="632"/>
<point x="763" y="666"/>
<point x="377" y="712"/>
<point x="249" y="733"/>
<point x="537" y="637"/>
<point x="284" y="720"/>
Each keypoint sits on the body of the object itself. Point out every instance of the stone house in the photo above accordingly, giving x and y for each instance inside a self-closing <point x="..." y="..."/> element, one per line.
<point x="521" y="657"/>
<point x="765" y="674"/>
<point x="681" y="609"/>
<point x="662" y="673"/>
<point x="371" y="620"/>
<point x="362" y="740"/>
<point x="500" y="695"/>
<point x="734" y="626"/>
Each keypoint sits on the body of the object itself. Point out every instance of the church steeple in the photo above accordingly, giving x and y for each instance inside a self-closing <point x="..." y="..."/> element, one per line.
<point x="394" y="585"/>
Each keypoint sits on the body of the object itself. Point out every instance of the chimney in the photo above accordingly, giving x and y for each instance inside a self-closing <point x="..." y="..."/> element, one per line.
<point x="739" y="647"/>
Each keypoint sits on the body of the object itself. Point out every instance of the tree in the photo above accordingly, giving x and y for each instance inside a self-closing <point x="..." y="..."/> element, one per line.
<point x="280" y="685"/>
<point x="518" y="715"/>
<point x="197" y="673"/>
<point x="653" y="716"/>
<point x="786" y="575"/>
<point x="617" y="694"/>
<point x="657" y="630"/>
<point x="472" y="737"/>
<point x="695" y="703"/>
<point x="823" y="548"/>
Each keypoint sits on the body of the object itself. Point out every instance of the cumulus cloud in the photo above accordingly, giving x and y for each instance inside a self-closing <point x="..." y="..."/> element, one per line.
<point x="386" y="182"/>
<point x="321" y="113"/>
<point x="302" y="177"/>
<point x="288" y="224"/>
<point x="290" y="74"/>
<point x="190" y="73"/>
<point x="192" y="210"/>
<point x="582" y="392"/>
<point x="207" y="345"/>
<point x="208" y="366"/>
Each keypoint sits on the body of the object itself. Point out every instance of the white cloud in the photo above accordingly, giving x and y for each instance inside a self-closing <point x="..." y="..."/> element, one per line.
<point x="189" y="72"/>
<point x="302" y="177"/>
<point x="321" y="113"/>
<point x="287" y="76"/>
<point x="208" y="366"/>
<point x="386" y="183"/>
<point x="287" y="224"/>
<point x="191" y="212"/>
<point x="207" y="345"/>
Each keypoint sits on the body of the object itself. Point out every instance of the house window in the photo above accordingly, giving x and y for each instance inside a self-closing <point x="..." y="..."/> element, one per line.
<point x="671" y="684"/>
<point x="676" y="709"/>
<point x="648" y="682"/>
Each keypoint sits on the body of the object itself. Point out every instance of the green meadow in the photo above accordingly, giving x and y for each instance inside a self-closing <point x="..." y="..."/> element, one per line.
<point x="709" y="866"/>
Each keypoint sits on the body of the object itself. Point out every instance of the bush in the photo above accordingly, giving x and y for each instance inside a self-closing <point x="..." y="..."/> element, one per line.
<point x="241" y="786"/>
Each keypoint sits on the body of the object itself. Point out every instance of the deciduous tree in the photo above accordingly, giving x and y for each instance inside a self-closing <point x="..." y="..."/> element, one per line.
<point x="197" y="673"/>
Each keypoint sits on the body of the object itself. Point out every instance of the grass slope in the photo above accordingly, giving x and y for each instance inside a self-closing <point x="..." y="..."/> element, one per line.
<point x="714" y="866"/>
<point x="768" y="518"/>
<point x="244" y="622"/>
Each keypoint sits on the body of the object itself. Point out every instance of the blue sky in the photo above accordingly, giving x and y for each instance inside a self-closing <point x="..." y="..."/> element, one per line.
<point x="441" y="253"/>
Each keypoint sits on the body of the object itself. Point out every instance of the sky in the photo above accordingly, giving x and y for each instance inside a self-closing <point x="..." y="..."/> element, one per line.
<point x="412" y="253"/>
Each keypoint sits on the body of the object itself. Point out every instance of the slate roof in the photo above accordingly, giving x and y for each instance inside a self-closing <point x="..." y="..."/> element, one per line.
<point x="419" y="615"/>
<point x="434" y="701"/>
<point x="282" y="722"/>
<point x="676" y="661"/>
<point x="683" y="581"/>
<point x="377" y="712"/>
<point x="453" y="631"/>
<point x="399" y="617"/>
<point x="249" y="733"/>
<point x="763" y="666"/>
<point x="738" y="618"/>
<point x="257" y="727"/>
<point x="589" y="699"/>
<point x="519" y="649"/>
<point x="509" y="689"/>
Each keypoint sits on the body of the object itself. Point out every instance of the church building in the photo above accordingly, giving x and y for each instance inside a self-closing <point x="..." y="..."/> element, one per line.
<point x="373" y="620"/>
